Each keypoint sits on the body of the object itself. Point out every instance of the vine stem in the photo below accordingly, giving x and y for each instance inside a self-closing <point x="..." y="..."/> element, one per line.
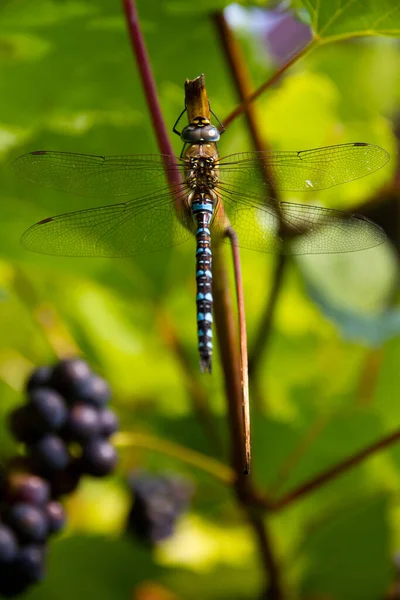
<point x="267" y="84"/>
<point x="265" y="327"/>
<point x="140" y="440"/>
<point x="231" y="234"/>
<point x="241" y="78"/>
<point x="193" y="380"/>
<point x="149" y="87"/>
<point x="330" y="474"/>
<point x="247" y="495"/>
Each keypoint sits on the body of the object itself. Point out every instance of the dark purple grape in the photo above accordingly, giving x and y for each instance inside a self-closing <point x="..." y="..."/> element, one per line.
<point x="158" y="502"/>
<point x="10" y="584"/>
<point x="50" y="410"/>
<point x="109" y="423"/>
<point x="23" y="425"/>
<point x="28" y="522"/>
<point x="66" y="482"/>
<point x="55" y="516"/>
<point x="39" y="378"/>
<point x="83" y="423"/>
<point x="8" y="544"/>
<point x="99" y="458"/>
<point x="95" y="391"/>
<point x="68" y="377"/>
<point x="30" y="564"/>
<point x="49" y="455"/>
<point x="25" y="487"/>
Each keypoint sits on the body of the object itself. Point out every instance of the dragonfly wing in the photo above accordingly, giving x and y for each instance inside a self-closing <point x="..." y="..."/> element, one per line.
<point x="135" y="227"/>
<point x="291" y="228"/>
<point x="305" y="170"/>
<point x="88" y="175"/>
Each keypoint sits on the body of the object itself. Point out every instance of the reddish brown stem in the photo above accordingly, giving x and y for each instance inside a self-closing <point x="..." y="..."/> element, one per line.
<point x="274" y="589"/>
<point x="149" y="86"/>
<point x="246" y="493"/>
<point x="277" y="75"/>
<point x="243" y="346"/>
<point x="230" y="358"/>
<point x="241" y="78"/>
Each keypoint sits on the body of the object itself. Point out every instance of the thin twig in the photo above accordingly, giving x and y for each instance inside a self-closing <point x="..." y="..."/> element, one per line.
<point x="330" y="474"/>
<point x="243" y="346"/>
<point x="45" y="316"/>
<point x="193" y="380"/>
<point x="241" y="78"/>
<point x="242" y="107"/>
<point x="247" y="496"/>
<point x="146" y="74"/>
<point x="262" y="340"/>
<point x="370" y="372"/>
<point x="274" y="589"/>
<point x="149" y="87"/>
<point x="299" y="451"/>
<point x="230" y="357"/>
<point x="130" y="439"/>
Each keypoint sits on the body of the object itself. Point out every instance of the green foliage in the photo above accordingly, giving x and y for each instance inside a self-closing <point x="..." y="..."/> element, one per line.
<point x="69" y="82"/>
<point x="335" y="20"/>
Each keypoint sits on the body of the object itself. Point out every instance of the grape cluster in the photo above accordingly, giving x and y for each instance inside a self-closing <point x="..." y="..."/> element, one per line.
<point x="158" y="502"/>
<point x="65" y="427"/>
<point x="66" y="424"/>
<point x="29" y="517"/>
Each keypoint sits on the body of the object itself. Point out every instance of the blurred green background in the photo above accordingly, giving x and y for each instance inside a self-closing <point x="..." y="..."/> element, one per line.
<point x="329" y="384"/>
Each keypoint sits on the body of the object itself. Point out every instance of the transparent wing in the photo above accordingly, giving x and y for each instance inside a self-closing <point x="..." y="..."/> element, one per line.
<point x="304" y="170"/>
<point x="88" y="175"/>
<point x="291" y="228"/>
<point x="142" y="225"/>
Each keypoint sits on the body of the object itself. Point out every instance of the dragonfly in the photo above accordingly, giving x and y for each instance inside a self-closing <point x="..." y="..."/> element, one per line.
<point x="208" y="194"/>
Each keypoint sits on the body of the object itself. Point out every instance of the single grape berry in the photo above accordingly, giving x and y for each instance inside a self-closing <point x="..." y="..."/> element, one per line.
<point x="83" y="423"/>
<point x="66" y="481"/>
<point x="49" y="409"/>
<point x="95" y="391"/>
<point x="28" y="522"/>
<point x="11" y="584"/>
<point x="68" y="376"/>
<point x="23" y="425"/>
<point x="25" y="487"/>
<point x="55" y="516"/>
<point x="29" y="564"/>
<point x="49" y="455"/>
<point x="8" y="545"/>
<point x="99" y="458"/>
<point x="39" y="378"/>
<point x="109" y="423"/>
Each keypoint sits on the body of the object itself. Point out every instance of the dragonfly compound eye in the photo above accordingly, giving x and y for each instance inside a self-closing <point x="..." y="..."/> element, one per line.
<point x="200" y="135"/>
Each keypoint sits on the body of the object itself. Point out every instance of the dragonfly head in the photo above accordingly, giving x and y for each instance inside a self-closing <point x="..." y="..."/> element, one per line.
<point x="200" y="131"/>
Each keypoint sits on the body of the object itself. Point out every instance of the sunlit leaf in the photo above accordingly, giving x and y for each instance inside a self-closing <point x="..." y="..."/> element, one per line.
<point x="344" y="18"/>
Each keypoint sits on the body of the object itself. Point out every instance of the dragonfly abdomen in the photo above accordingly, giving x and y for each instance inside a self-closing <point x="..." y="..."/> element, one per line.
<point x="203" y="209"/>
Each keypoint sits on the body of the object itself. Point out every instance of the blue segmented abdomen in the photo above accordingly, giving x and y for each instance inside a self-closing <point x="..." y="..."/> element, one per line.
<point x="202" y="209"/>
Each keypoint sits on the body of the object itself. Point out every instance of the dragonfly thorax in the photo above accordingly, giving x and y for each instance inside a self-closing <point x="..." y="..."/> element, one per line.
<point x="201" y="174"/>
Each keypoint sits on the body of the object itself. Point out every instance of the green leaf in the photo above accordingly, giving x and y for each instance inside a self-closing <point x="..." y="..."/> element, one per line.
<point x="344" y="562"/>
<point x="373" y="330"/>
<point x="332" y="19"/>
